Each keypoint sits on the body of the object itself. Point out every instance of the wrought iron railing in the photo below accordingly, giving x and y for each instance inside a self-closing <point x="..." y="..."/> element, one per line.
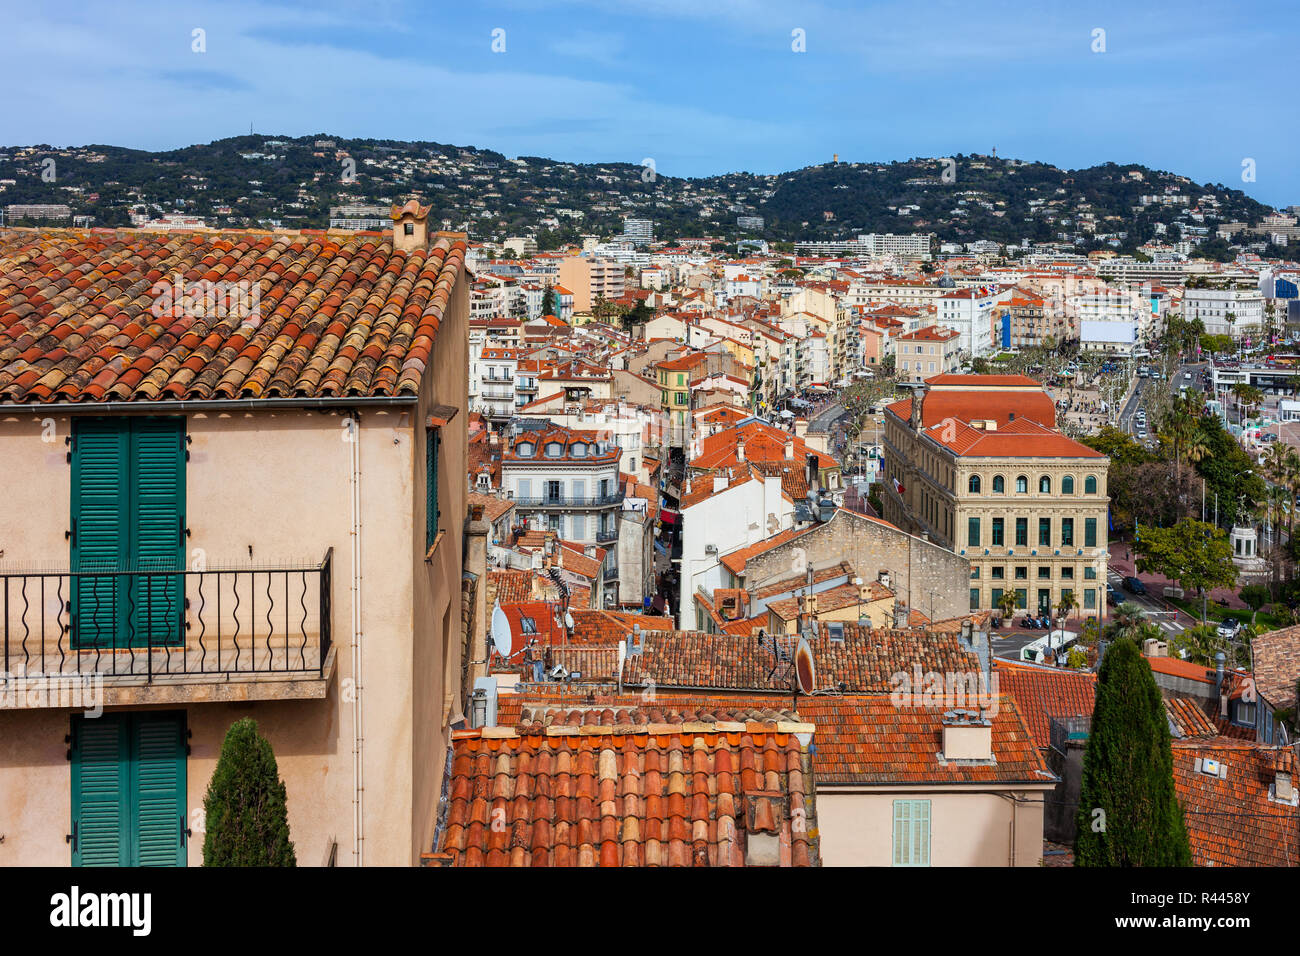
<point x="146" y="624"/>
<point x="570" y="501"/>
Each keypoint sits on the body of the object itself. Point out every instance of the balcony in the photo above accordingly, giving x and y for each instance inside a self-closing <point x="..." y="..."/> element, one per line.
<point x="565" y="502"/>
<point x="607" y="535"/>
<point x="167" y="636"/>
<point x="498" y="393"/>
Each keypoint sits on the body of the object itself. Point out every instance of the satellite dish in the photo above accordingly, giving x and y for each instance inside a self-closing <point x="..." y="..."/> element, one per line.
<point x="502" y="638"/>
<point x="568" y="620"/>
<point x="805" y="672"/>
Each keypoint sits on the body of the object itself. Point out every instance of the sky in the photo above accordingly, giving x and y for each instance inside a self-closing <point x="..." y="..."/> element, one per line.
<point x="698" y="86"/>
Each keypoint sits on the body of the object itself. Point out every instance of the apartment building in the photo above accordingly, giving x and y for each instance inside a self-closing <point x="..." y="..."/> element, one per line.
<point x="239" y="515"/>
<point x="970" y="312"/>
<point x="1225" y="311"/>
<point x="563" y="480"/>
<point x="933" y="350"/>
<point x="975" y="463"/>
<point x="590" y="278"/>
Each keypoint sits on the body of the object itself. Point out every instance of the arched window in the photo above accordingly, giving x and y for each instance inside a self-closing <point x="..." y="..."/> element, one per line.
<point x="974" y="484"/>
<point x="1022" y="484"/>
<point x="999" y="485"/>
<point x="1090" y="485"/>
<point x="1067" y="485"/>
<point x="1044" y="485"/>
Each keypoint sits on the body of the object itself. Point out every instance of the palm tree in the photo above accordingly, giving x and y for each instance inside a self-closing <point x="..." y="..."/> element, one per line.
<point x="1067" y="604"/>
<point x="1007" y="603"/>
<point x="1127" y="621"/>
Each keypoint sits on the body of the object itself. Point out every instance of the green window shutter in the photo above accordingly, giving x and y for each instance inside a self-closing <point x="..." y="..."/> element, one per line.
<point x="911" y="833"/>
<point x="100" y="787"/>
<point x="158" y="788"/>
<point x="433" y="441"/>
<point x="1089" y="532"/>
<point x="158" y="522"/>
<point x="100" y="529"/>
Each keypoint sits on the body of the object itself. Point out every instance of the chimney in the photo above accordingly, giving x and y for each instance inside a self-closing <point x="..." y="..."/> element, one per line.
<point x="801" y="428"/>
<point x="740" y="449"/>
<point x="1219" y="690"/>
<point x="901" y="615"/>
<point x="918" y="400"/>
<point x="789" y="450"/>
<point x="410" y="226"/>
<point x="967" y="735"/>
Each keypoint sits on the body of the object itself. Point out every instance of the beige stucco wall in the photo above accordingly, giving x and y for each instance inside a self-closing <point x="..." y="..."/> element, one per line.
<point x="970" y="828"/>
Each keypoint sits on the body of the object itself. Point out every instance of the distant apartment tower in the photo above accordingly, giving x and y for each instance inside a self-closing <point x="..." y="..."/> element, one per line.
<point x="521" y="245"/>
<point x="360" y="217"/>
<point x="591" y="278"/>
<point x="39" y="211"/>
<point x="875" y="245"/>
<point x="639" y="231"/>
<point x="750" y="223"/>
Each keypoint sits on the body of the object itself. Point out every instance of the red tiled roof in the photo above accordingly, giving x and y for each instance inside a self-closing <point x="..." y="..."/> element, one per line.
<point x="865" y="661"/>
<point x="337" y="316"/>
<point x="868" y="739"/>
<point x="1277" y="666"/>
<point x="1232" y="820"/>
<point x="646" y="789"/>
<point x="1043" y="693"/>
<point x="973" y="405"/>
<point x="1188" y="719"/>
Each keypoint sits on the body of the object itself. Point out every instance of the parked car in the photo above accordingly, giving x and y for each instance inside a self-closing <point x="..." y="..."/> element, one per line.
<point x="1112" y="596"/>
<point x="1134" y="586"/>
<point x="1229" y="628"/>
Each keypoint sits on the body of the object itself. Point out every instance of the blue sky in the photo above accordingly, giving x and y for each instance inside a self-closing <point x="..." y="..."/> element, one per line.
<point x="700" y="86"/>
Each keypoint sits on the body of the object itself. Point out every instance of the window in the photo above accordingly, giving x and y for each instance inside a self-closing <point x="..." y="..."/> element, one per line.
<point x="1044" y="531"/>
<point x="974" y="599"/>
<point x="1022" y="572"/>
<point x="1044" y="572"/>
<point x="1022" y="484"/>
<point x="973" y="532"/>
<point x="1090" y="573"/>
<point x="1090" y="485"/>
<point x="999" y="485"/>
<point x="974" y="484"/>
<point x="524" y="449"/>
<point x="997" y="532"/>
<point x="1067" y="532"/>
<point x="1022" y="532"/>
<point x="911" y="833"/>
<point x="128" y="789"/>
<point x="554" y="492"/>
<point x="1022" y="598"/>
<point x="995" y="596"/>
<point x="1044" y="485"/>
<point x="999" y="572"/>
<point x="432" y="443"/>
<point x="554" y="449"/>
<point x="1090" y="599"/>
<point x="579" y="450"/>
<point x="128" y="511"/>
<point x="975" y="574"/>
<point x="1067" y="573"/>
<point x="1067" y="485"/>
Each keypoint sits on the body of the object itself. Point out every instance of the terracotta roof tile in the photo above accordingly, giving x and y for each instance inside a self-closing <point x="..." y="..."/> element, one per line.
<point x="335" y="316"/>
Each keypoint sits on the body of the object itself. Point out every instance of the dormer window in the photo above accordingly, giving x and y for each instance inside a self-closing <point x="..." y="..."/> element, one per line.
<point x="579" y="450"/>
<point x="554" y="449"/>
<point x="524" y="449"/>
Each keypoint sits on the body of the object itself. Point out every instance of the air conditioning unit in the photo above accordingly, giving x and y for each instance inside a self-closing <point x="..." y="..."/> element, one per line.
<point x="710" y="549"/>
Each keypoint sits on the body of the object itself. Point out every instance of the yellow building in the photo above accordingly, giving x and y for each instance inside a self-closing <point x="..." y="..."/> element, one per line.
<point x="974" y="463"/>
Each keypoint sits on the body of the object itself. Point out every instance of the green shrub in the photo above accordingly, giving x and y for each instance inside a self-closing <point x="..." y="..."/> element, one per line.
<point x="246" y="813"/>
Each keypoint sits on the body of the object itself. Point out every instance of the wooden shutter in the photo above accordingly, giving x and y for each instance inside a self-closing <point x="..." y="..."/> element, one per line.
<point x="432" y="442"/>
<point x="100" y="529"/>
<point x="158" y="788"/>
<point x="157" y="528"/>
<point x="911" y="833"/>
<point x="100" y="787"/>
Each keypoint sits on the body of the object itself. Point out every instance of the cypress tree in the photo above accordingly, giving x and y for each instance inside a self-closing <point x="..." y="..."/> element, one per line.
<point x="247" y="817"/>
<point x="1128" y="772"/>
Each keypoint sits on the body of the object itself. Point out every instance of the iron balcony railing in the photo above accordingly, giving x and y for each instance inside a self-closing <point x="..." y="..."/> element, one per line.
<point x="142" y="625"/>
<point x="569" y="501"/>
<point x="606" y="535"/>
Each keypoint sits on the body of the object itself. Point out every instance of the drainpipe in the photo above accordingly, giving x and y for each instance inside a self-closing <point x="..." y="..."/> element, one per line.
<point x="358" y="738"/>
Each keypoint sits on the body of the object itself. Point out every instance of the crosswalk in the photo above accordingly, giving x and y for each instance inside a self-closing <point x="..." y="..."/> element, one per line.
<point x="1156" y="613"/>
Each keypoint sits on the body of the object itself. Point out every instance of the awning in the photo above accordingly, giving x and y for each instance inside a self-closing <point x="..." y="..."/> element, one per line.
<point x="667" y="517"/>
<point x="441" y="415"/>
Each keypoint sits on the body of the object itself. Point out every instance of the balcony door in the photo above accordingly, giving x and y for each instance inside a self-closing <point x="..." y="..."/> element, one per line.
<point x="128" y="789"/>
<point x="128" y="521"/>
